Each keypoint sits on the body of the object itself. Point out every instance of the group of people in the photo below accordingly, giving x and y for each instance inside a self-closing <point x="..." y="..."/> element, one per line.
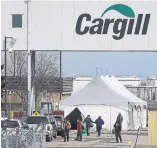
<point x="89" y="123"/>
<point x="66" y="126"/>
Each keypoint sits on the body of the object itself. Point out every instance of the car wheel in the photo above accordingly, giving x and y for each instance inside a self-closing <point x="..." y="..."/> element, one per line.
<point x="55" y="136"/>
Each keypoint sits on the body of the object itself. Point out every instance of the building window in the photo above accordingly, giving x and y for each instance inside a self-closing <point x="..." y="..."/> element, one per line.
<point x="17" y="21"/>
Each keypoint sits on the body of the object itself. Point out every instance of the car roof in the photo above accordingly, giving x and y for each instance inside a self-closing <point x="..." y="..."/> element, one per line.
<point x="4" y="118"/>
<point x="10" y="119"/>
<point x="14" y="120"/>
<point x="36" y="116"/>
<point x="58" y="116"/>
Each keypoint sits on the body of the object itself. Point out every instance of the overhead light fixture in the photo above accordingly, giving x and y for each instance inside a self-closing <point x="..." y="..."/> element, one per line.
<point x="11" y="44"/>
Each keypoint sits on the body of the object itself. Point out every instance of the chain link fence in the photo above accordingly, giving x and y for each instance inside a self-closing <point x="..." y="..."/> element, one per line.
<point x="31" y="138"/>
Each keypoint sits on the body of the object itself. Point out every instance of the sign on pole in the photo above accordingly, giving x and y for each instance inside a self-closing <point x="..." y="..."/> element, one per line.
<point x="36" y="113"/>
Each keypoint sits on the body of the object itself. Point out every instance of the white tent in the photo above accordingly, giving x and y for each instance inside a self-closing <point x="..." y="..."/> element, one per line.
<point x="137" y="106"/>
<point x="98" y="99"/>
<point x="125" y="92"/>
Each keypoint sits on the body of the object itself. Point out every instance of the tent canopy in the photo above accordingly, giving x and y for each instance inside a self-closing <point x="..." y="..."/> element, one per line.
<point x="115" y="85"/>
<point x="96" y="92"/>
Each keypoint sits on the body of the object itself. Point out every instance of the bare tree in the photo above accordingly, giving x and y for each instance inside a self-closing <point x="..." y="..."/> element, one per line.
<point x="17" y="62"/>
<point x="17" y="67"/>
<point x="46" y="67"/>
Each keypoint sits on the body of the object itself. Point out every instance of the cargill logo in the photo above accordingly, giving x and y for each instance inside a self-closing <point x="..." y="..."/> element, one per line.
<point x="131" y="25"/>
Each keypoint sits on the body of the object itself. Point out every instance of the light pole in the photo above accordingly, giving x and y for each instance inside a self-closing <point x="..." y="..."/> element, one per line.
<point x="29" y="101"/>
<point x="12" y="42"/>
<point x="61" y="87"/>
<point x="14" y="63"/>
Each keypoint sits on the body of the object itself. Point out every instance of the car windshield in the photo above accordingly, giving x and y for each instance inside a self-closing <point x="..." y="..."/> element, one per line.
<point x="9" y="124"/>
<point x="58" y="118"/>
<point x="37" y="120"/>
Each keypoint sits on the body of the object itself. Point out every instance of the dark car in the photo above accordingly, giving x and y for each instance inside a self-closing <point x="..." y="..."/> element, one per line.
<point x="59" y="119"/>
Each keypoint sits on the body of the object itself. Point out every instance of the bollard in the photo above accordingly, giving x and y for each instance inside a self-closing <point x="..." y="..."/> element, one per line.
<point x="130" y="144"/>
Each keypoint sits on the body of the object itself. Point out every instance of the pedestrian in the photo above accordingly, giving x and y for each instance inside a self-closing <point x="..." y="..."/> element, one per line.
<point x="89" y="124"/>
<point x="79" y="130"/>
<point x="120" y="119"/>
<point x="99" y="122"/>
<point x="66" y="126"/>
<point x="117" y="127"/>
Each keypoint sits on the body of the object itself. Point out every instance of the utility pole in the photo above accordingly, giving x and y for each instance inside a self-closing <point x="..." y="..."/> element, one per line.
<point x="12" y="42"/>
<point x="14" y="63"/>
<point x="61" y="87"/>
<point x="96" y="70"/>
<point x="5" y="48"/>
<point x="34" y="101"/>
<point x="101" y="71"/>
<point x="29" y="61"/>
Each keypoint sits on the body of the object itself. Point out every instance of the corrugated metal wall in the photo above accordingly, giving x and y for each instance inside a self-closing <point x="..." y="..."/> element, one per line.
<point x="152" y="127"/>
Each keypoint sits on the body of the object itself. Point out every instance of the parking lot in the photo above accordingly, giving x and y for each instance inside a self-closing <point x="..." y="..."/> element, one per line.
<point x="106" y="140"/>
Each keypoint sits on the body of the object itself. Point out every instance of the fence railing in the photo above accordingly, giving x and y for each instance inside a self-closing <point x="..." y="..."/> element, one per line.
<point x="31" y="138"/>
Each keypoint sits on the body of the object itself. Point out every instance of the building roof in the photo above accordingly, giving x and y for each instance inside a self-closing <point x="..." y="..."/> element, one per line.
<point x="152" y="77"/>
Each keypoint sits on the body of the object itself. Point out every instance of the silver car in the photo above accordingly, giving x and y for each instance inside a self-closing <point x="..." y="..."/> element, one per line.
<point x="59" y="119"/>
<point x="33" y="121"/>
<point x="10" y="124"/>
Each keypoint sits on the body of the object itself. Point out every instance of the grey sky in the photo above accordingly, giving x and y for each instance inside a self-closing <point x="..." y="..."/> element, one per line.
<point x="122" y="63"/>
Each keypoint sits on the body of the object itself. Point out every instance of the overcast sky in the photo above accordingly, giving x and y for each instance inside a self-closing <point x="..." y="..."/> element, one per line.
<point x="112" y="63"/>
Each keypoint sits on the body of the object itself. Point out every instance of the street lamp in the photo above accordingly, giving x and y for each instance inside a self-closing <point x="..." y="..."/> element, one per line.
<point x="11" y="44"/>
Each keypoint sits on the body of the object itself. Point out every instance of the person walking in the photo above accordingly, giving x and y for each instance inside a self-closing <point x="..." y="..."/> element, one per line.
<point x="79" y="130"/>
<point x="99" y="122"/>
<point x="120" y="119"/>
<point x="88" y="122"/>
<point x="117" y="127"/>
<point x="66" y="126"/>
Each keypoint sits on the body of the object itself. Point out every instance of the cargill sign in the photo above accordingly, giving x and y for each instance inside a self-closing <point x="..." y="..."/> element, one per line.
<point x="131" y="25"/>
<point x="103" y="25"/>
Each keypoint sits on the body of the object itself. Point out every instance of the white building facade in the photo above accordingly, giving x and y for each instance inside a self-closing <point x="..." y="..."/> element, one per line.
<point x="14" y="23"/>
<point x="152" y="81"/>
<point x="52" y="25"/>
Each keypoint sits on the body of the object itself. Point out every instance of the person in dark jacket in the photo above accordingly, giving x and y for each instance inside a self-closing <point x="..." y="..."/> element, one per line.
<point x="88" y="122"/>
<point x="117" y="127"/>
<point x="120" y="119"/>
<point x="99" y="122"/>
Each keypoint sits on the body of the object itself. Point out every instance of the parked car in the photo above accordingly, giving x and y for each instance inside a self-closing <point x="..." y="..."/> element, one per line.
<point x="33" y="121"/>
<point x="10" y="124"/>
<point x="12" y="128"/>
<point x="54" y="124"/>
<point x="59" y="119"/>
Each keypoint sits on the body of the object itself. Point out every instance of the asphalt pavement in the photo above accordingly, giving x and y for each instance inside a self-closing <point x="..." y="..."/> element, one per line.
<point x="106" y="140"/>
